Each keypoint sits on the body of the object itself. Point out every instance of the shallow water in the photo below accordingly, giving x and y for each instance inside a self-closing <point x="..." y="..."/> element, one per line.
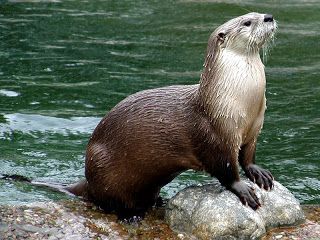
<point x="64" y="64"/>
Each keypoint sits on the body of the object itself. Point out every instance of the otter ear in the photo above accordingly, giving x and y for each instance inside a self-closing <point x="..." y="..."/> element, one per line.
<point x="221" y="36"/>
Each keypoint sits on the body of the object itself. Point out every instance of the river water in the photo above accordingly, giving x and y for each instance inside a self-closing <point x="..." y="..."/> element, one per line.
<point x="64" y="64"/>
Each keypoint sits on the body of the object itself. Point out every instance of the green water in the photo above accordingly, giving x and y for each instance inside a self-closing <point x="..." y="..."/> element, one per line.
<point x="64" y="64"/>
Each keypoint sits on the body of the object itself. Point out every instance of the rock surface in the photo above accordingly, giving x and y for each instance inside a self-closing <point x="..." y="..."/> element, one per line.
<point x="76" y="220"/>
<point x="80" y="220"/>
<point x="211" y="212"/>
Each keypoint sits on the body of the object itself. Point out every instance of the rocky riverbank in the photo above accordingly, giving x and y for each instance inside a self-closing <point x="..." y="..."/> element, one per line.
<point x="79" y="220"/>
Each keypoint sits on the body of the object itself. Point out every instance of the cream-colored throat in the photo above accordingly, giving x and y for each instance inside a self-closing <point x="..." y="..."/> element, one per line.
<point x="234" y="85"/>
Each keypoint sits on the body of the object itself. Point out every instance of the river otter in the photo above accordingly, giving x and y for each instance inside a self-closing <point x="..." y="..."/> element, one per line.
<point x="150" y="137"/>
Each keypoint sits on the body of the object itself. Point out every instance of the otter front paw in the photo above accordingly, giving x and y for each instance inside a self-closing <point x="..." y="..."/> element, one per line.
<point x="246" y="194"/>
<point x="263" y="178"/>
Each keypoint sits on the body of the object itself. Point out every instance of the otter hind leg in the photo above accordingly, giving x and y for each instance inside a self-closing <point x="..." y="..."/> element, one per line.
<point x="130" y="206"/>
<point x="122" y="210"/>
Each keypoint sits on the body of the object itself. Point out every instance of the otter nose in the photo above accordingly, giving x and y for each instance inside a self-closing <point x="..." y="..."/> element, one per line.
<point x="268" y="18"/>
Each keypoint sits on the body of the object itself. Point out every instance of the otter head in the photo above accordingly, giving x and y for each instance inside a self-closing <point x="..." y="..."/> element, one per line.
<point x="233" y="56"/>
<point x="245" y="34"/>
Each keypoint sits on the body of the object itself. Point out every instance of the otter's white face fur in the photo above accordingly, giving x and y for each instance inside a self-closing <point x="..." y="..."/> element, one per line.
<point x="247" y="33"/>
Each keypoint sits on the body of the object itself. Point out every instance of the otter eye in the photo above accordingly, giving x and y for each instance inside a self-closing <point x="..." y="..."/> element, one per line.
<point x="247" y="23"/>
<point x="221" y="35"/>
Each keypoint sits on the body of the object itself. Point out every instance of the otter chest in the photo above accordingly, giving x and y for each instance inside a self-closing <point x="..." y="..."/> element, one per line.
<point x="244" y="78"/>
<point x="237" y="93"/>
<point x="241" y="85"/>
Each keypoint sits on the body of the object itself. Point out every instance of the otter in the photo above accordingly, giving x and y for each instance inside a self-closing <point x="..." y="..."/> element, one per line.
<point x="152" y="136"/>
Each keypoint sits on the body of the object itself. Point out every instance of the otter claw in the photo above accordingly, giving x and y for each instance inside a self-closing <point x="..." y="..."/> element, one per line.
<point x="246" y="194"/>
<point x="259" y="176"/>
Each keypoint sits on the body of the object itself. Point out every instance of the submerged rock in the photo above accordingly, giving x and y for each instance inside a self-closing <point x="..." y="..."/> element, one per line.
<point x="212" y="212"/>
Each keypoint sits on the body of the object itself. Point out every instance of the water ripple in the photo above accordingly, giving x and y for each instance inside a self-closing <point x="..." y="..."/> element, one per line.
<point x="33" y="123"/>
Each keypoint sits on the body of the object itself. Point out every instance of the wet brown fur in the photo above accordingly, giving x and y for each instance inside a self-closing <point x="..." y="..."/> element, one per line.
<point x="152" y="136"/>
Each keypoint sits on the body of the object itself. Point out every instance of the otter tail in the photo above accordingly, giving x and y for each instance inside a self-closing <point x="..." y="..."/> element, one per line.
<point x="76" y="189"/>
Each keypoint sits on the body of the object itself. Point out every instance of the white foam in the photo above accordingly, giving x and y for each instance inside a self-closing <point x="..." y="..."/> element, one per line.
<point x="9" y="93"/>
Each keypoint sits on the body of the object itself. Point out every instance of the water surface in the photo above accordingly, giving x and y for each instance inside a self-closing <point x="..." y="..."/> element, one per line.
<point x="64" y="64"/>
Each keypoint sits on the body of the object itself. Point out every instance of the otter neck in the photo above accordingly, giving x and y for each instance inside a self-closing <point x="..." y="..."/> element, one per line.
<point x="232" y="85"/>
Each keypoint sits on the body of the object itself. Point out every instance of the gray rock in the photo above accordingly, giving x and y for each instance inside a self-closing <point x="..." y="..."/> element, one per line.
<point x="4" y="227"/>
<point x="211" y="212"/>
<point x="35" y="229"/>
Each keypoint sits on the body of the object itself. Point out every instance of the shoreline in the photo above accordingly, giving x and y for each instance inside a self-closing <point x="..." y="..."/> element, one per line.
<point x="80" y="220"/>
